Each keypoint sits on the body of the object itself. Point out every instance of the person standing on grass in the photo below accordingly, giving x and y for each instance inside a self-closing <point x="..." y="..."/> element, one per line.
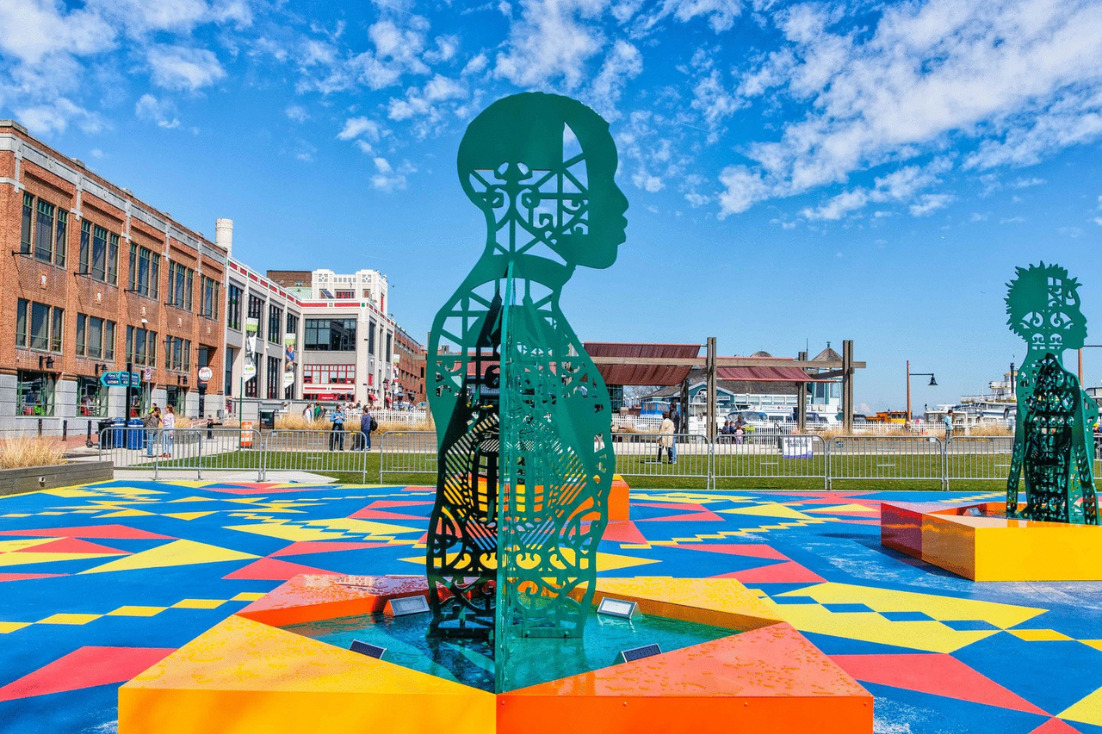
<point x="151" y="422"/>
<point x="337" y="434"/>
<point x="948" y="425"/>
<point x="367" y="425"/>
<point x="167" y="433"/>
<point x="666" y="441"/>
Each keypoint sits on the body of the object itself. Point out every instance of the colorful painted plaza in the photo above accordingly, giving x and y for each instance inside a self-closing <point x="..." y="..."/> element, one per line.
<point x="102" y="581"/>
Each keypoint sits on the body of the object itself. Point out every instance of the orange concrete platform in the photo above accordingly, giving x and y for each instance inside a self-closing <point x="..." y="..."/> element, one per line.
<point x="987" y="547"/>
<point x="246" y="675"/>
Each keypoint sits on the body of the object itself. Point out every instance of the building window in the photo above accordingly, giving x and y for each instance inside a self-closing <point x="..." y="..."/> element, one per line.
<point x="329" y="374"/>
<point x="95" y="337"/>
<point x="99" y="253"/>
<point x="209" y="306"/>
<point x="292" y="324"/>
<point x="178" y="354"/>
<point x="330" y="335"/>
<point x="141" y="346"/>
<point x="275" y="324"/>
<point x="46" y="325"/>
<point x="256" y="306"/>
<point x="179" y="286"/>
<point x="274" y="378"/>
<point x="371" y="338"/>
<point x="145" y="271"/>
<point x="233" y="309"/>
<point x="36" y="393"/>
<point x="43" y="230"/>
<point x="91" y="398"/>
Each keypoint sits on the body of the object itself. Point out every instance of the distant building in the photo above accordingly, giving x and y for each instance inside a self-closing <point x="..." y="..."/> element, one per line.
<point x="409" y="379"/>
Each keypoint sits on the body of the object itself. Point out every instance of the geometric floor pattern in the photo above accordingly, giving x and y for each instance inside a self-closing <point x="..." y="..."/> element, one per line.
<point x="99" y="582"/>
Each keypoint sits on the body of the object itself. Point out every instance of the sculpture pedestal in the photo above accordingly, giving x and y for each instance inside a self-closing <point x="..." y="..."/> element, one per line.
<point x="248" y="675"/>
<point x="977" y="541"/>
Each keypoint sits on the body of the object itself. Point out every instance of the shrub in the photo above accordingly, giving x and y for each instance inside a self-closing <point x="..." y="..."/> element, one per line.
<point x="17" y="453"/>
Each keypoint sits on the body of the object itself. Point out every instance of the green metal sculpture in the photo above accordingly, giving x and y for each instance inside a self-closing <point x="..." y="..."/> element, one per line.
<point x="522" y="414"/>
<point x="1053" y="446"/>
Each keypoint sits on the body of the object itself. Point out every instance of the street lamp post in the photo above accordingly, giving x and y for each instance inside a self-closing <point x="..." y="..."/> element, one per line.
<point x="933" y="383"/>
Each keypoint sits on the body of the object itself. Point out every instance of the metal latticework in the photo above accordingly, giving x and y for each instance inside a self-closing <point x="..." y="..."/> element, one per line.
<point x="523" y="417"/>
<point x="1053" y="448"/>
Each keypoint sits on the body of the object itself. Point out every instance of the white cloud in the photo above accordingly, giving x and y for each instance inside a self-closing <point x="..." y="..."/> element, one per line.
<point x="742" y="189"/>
<point x="1023" y="78"/>
<point x="33" y="29"/>
<point x="162" y="112"/>
<point x="56" y="117"/>
<point x="431" y="103"/>
<point x="622" y="64"/>
<point x="475" y="65"/>
<point x="356" y="127"/>
<point x="389" y="178"/>
<point x="1025" y="183"/>
<point x="296" y="113"/>
<point x="720" y="14"/>
<point x="184" y="69"/>
<point x="930" y="203"/>
<point x="901" y="185"/>
<point x="551" y="43"/>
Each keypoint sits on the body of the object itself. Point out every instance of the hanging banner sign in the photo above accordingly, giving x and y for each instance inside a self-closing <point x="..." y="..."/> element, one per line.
<point x="289" y="347"/>
<point x="252" y="326"/>
<point x="248" y="371"/>
<point x="288" y="378"/>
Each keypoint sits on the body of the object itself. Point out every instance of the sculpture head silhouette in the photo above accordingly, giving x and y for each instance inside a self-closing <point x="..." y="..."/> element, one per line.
<point x="541" y="168"/>
<point x="1042" y="303"/>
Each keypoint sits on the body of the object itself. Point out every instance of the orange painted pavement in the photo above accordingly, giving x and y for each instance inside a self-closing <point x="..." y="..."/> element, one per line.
<point x="310" y="598"/>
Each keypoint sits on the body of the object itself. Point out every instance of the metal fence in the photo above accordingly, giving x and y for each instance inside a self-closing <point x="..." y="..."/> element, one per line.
<point x="407" y="452"/>
<point x="661" y="455"/>
<point x="759" y="455"/>
<point x="763" y="455"/>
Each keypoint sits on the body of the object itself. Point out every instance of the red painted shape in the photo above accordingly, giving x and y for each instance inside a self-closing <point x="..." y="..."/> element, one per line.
<point x="624" y="531"/>
<point x="705" y="516"/>
<point x="29" y="576"/>
<point x="270" y="569"/>
<point x="937" y="674"/>
<point x="901" y="525"/>
<point x="304" y="547"/>
<point x="120" y="532"/>
<point x="309" y="598"/>
<point x="753" y="550"/>
<point x="84" y="668"/>
<point x="70" y="545"/>
<point x="390" y="504"/>
<point x="1055" y="726"/>
<point x="788" y="572"/>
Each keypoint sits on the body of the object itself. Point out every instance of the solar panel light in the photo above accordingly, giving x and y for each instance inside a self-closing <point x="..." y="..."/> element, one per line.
<point x="406" y="605"/>
<point x="366" y="648"/>
<point x="637" y="653"/>
<point x="616" y="608"/>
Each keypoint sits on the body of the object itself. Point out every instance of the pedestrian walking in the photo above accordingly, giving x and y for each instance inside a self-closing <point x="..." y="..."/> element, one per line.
<point x="675" y="418"/>
<point x="336" y="435"/>
<point x="151" y="422"/>
<point x="372" y="425"/>
<point x="167" y="435"/>
<point x="666" y="441"/>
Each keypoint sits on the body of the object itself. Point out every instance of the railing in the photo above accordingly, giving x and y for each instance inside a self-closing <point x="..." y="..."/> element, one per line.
<point x="320" y="452"/>
<point x="770" y="456"/>
<point x="661" y="455"/>
<point x="762" y="454"/>
<point x="408" y="452"/>
<point x="886" y="457"/>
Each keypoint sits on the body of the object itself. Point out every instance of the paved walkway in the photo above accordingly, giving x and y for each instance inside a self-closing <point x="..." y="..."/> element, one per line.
<point x="99" y="582"/>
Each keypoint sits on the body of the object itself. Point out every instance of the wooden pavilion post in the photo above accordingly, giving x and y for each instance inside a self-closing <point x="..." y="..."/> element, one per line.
<point x="801" y="397"/>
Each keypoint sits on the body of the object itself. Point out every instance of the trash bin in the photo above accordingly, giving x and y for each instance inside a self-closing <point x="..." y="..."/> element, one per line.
<point x="267" y="419"/>
<point x="118" y="433"/>
<point x="106" y="437"/>
<point x="135" y="434"/>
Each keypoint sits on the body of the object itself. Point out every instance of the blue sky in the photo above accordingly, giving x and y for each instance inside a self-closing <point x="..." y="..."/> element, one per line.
<point x="797" y="172"/>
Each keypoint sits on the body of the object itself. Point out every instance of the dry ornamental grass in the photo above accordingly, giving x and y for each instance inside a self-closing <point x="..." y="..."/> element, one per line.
<point x="17" y="453"/>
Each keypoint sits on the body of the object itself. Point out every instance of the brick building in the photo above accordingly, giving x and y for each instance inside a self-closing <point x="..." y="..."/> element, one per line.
<point x="409" y="374"/>
<point x="96" y="279"/>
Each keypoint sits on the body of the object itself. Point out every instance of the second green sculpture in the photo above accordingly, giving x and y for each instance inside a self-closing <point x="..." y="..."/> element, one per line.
<point x="522" y="414"/>
<point x="1053" y="446"/>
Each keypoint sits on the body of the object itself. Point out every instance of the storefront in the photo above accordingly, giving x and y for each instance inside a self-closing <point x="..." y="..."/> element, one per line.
<point x="176" y="396"/>
<point x="91" y="398"/>
<point x="36" y="393"/>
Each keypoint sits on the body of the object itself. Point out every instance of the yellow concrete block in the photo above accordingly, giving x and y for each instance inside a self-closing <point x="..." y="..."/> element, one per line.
<point x="244" y="677"/>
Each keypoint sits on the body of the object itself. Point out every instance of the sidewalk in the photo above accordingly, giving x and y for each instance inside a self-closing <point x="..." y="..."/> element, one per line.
<point x="223" y="475"/>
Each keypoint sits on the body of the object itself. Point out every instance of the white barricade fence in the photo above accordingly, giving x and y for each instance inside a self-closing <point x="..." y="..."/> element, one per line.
<point x="886" y="457"/>
<point x="769" y="455"/>
<point x="322" y="452"/>
<point x="978" y="457"/>
<point x="178" y="448"/>
<point x="130" y="447"/>
<point x="408" y="452"/>
<point x="231" y="449"/>
<point x="649" y="455"/>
